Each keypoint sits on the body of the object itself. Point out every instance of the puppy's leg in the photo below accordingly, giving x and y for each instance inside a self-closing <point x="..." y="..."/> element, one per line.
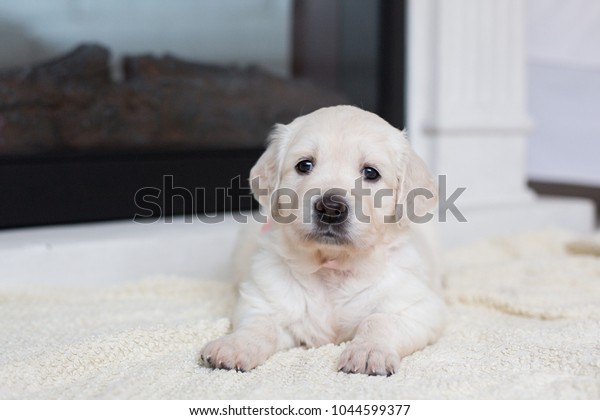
<point x="247" y="347"/>
<point x="382" y="339"/>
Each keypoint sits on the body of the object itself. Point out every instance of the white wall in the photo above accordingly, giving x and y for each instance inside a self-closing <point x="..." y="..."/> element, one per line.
<point x="468" y="116"/>
<point x="563" y="62"/>
<point x="221" y="31"/>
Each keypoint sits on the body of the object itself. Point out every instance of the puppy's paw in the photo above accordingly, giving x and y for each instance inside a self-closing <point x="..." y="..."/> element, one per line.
<point x="235" y="351"/>
<point x="362" y="357"/>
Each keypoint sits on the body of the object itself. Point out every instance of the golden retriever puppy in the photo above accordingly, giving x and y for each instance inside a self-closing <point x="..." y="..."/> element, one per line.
<point x="341" y="257"/>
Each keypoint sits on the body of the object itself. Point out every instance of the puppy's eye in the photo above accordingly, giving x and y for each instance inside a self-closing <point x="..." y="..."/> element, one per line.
<point x="370" y="174"/>
<point x="304" y="166"/>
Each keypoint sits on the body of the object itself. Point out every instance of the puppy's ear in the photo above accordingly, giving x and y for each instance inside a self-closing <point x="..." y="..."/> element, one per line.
<point x="264" y="175"/>
<point x="417" y="189"/>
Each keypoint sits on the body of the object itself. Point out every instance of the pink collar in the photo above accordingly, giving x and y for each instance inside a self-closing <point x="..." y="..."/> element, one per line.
<point x="336" y="267"/>
<point x="332" y="264"/>
<point x="266" y="227"/>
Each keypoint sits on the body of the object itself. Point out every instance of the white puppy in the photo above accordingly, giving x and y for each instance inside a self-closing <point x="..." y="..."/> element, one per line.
<point x="338" y="259"/>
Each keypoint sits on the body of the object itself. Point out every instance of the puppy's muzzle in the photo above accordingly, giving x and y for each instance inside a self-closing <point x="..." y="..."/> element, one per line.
<point x="331" y="209"/>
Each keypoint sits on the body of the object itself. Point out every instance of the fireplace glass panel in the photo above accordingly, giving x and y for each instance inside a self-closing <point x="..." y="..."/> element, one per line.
<point x="101" y="99"/>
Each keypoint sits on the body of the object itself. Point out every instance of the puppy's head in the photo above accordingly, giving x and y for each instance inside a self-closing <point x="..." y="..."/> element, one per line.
<point x="340" y="176"/>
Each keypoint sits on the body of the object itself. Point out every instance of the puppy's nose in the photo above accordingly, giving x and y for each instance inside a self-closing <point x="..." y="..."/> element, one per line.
<point x="331" y="208"/>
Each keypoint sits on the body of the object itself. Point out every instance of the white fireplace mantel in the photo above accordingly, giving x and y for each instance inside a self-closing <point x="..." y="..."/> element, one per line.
<point x="467" y="116"/>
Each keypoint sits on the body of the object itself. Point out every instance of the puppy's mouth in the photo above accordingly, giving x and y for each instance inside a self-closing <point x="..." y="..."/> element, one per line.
<point x="329" y="234"/>
<point x="328" y="238"/>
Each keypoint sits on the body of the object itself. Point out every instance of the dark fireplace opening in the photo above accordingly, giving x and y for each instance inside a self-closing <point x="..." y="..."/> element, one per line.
<point x="78" y="144"/>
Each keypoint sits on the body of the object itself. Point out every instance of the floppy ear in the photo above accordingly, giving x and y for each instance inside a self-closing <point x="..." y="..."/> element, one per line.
<point x="417" y="190"/>
<point x="264" y="175"/>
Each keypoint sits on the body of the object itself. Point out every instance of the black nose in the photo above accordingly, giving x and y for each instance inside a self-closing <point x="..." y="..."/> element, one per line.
<point x="331" y="208"/>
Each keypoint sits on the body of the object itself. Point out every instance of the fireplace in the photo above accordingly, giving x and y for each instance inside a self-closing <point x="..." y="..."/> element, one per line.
<point x="83" y="131"/>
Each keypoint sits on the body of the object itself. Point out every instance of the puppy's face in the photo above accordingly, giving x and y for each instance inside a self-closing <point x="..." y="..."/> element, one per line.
<point x="335" y="177"/>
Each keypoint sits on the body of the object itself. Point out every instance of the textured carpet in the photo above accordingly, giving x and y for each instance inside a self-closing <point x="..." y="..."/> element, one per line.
<point x="525" y="323"/>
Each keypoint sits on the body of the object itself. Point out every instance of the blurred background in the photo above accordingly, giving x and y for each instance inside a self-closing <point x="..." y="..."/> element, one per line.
<point x="563" y="65"/>
<point x="338" y="44"/>
<point x="101" y="98"/>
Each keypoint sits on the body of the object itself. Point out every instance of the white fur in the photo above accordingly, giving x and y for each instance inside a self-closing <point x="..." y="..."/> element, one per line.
<point x="377" y="292"/>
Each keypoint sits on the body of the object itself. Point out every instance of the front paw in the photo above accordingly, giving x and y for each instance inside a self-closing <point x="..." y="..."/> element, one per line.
<point x="235" y="351"/>
<point x="363" y="357"/>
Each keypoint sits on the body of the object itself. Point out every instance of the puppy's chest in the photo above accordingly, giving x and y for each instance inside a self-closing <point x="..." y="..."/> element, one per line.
<point x="331" y="311"/>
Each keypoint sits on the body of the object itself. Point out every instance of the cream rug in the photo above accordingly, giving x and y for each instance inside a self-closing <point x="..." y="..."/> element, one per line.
<point x="525" y="323"/>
